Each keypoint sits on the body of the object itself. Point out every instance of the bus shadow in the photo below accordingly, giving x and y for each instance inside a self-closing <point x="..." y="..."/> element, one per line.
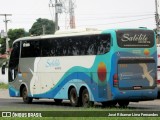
<point x="67" y="104"/>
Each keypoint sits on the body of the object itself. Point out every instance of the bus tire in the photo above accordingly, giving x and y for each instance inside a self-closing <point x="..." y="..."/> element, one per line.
<point x="74" y="100"/>
<point x="58" y="101"/>
<point x="109" y="104"/>
<point x="123" y="103"/>
<point x="25" y="97"/>
<point x="86" y="99"/>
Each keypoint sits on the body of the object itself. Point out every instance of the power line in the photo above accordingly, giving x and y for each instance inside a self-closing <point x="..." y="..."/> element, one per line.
<point x="101" y="18"/>
<point x="89" y="19"/>
<point x="119" y="22"/>
<point x="101" y="13"/>
<point x="115" y="13"/>
<point x="116" y="17"/>
<point x="95" y="18"/>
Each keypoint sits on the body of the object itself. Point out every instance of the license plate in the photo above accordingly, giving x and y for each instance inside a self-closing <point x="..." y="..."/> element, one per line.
<point x="137" y="87"/>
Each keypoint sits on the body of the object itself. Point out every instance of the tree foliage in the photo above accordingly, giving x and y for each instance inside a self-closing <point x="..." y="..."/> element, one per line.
<point x="2" y="45"/>
<point x="13" y="34"/>
<point x="37" y="27"/>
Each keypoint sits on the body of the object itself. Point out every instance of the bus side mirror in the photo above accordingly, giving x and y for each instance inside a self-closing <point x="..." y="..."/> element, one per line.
<point x="3" y="69"/>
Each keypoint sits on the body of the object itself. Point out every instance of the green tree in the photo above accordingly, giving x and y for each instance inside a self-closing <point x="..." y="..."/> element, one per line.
<point x="2" y="45"/>
<point x="14" y="34"/>
<point x="37" y="27"/>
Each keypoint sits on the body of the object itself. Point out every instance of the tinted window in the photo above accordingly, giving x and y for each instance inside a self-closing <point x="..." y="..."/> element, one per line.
<point x="52" y="47"/>
<point x="30" y="48"/>
<point x="15" y="51"/>
<point x="14" y="62"/>
<point x="67" y="46"/>
<point x="79" y="45"/>
<point x="135" y="38"/>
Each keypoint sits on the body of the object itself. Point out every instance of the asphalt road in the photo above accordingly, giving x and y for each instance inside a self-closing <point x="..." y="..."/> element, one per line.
<point x="8" y="103"/>
<point x="46" y="104"/>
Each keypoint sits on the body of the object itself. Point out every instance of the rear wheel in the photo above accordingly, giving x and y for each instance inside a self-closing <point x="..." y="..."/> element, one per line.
<point x="25" y="97"/>
<point x="73" y="97"/>
<point x="86" y="99"/>
<point x="123" y="103"/>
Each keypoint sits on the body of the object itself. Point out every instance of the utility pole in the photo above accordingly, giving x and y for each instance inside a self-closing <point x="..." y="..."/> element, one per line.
<point x="44" y="29"/>
<point x="157" y="15"/>
<point x="56" y="16"/>
<point x="157" y="21"/>
<point x="7" y="39"/>
<point x="58" y="9"/>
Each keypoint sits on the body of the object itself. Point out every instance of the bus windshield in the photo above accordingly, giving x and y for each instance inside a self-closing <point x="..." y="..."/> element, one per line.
<point x="135" y="38"/>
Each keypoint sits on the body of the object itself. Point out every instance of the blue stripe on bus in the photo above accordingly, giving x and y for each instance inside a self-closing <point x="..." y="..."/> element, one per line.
<point x="87" y="78"/>
<point x="81" y="76"/>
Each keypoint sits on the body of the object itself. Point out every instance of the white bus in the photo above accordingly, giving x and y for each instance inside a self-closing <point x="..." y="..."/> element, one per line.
<point x="109" y="66"/>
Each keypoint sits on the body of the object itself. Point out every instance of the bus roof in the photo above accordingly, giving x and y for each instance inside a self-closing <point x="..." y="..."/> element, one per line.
<point x="74" y="32"/>
<point x="66" y="33"/>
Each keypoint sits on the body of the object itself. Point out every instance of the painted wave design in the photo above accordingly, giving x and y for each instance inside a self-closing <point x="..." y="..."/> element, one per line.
<point x="81" y="76"/>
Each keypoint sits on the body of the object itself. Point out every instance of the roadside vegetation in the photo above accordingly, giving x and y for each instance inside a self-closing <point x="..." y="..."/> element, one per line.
<point x="85" y="118"/>
<point x="80" y="109"/>
<point x="3" y="86"/>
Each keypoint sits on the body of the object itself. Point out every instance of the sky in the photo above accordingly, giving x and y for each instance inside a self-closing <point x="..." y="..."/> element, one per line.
<point x="102" y="14"/>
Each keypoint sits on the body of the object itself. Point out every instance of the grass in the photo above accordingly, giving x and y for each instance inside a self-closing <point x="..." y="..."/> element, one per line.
<point x="85" y="118"/>
<point x="3" y="86"/>
<point x="79" y="109"/>
<point x="74" y="110"/>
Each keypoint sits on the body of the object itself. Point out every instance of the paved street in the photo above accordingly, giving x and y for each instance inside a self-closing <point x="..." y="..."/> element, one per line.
<point x="7" y="102"/>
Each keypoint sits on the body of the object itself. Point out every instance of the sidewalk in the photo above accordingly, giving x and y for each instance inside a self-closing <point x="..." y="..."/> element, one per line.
<point x="4" y="93"/>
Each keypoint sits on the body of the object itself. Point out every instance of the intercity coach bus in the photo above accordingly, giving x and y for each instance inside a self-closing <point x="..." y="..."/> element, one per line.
<point x="85" y="66"/>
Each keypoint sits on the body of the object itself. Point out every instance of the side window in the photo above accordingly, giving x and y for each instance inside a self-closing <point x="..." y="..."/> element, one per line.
<point x="54" y="47"/>
<point x="30" y="49"/>
<point x="15" y="51"/>
<point x="59" y="48"/>
<point x="70" y="46"/>
<point x="94" y="44"/>
<point x="104" y="44"/>
<point x="76" y="45"/>
<point x="14" y="62"/>
<point x="48" y="47"/>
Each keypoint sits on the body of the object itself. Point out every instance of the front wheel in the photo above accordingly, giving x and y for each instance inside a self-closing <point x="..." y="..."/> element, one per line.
<point x="25" y="97"/>
<point x="86" y="99"/>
